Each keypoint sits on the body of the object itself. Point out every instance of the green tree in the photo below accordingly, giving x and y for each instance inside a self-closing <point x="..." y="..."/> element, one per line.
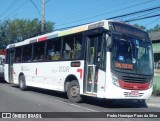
<point x="155" y="29"/>
<point x="140" y="26"/>
<point x="17" y="30"/>
<point x="4" y="40"/>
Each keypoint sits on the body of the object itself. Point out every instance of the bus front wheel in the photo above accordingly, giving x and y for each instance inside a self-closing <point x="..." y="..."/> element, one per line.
<point x="22" y="83"/>
<point x="73" y="92"/>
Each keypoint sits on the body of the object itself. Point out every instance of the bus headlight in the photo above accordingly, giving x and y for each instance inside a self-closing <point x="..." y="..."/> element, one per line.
<point x="115" y="80"/>
<point x="151" y="84"/>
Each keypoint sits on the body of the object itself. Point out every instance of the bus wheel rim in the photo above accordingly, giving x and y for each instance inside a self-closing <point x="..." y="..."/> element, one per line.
<point x="74" y="91"/>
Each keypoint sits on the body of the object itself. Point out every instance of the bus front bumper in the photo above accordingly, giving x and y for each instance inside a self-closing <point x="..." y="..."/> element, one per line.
<point x="114" y="92"/>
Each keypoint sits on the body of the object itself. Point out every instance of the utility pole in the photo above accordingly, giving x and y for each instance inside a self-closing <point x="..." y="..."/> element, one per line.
<point x="43" y="16"/>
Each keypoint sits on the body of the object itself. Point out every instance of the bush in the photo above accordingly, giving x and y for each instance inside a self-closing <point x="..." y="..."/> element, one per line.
<point x="156" y="91"/>
<point x="156" y="86"/>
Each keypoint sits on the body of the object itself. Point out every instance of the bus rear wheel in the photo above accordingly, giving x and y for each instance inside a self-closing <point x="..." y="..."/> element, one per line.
<point x="22" y="83"/>
<point x="73" y="92"/>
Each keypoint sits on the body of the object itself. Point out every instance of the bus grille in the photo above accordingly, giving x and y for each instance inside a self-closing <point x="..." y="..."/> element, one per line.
<point x="134" y="79"/>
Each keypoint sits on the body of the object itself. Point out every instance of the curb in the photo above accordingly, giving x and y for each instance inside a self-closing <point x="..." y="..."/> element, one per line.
<point x="153" y="102"/>
<point x="155" y="105"/>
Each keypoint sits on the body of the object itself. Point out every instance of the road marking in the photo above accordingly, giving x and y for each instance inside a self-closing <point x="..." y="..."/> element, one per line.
<point x="8" y="85"/>
<point x="153" y="105"/>
<point x="75" y="105"/>
<point x="58" y="100"/>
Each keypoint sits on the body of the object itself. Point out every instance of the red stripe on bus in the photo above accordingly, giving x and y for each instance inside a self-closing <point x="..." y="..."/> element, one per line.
<point x="134" y="86"/>
<point x="80" y="71"/>
<point x="42" y="39"/>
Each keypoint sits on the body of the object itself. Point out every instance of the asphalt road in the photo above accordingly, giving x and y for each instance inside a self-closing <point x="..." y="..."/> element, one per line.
<point x="12" y="99"/>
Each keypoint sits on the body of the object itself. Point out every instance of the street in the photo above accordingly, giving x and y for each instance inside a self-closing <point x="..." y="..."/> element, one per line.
<point x="12" y="99"/>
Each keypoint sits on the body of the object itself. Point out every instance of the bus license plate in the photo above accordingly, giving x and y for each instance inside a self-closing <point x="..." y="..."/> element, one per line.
<point x="134" y="93"/>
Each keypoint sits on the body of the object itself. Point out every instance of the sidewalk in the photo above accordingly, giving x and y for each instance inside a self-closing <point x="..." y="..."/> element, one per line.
<point x="153" y="102"/>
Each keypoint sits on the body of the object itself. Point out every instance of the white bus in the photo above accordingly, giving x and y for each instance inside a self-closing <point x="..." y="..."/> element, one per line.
<point x="105" y="59"/>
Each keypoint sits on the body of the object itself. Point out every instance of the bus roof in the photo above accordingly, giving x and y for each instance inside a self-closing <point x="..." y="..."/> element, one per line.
<point x="60" y="33"/>
<point x="54" y="34"/>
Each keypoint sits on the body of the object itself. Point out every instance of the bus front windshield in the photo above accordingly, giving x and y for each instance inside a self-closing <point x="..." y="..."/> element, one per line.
<point x="132" y="55"/>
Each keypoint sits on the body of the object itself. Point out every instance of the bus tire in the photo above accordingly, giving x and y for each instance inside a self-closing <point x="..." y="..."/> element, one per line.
<point x="73" y="92"/>
<point x="22" y="83"/>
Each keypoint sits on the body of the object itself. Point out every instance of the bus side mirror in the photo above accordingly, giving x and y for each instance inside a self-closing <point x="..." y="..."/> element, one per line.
<point x="108" y="41"/>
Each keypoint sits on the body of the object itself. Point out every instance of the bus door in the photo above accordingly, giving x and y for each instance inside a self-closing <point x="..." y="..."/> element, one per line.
<point x="94" y="44"/>
<point x="10" y="66"/>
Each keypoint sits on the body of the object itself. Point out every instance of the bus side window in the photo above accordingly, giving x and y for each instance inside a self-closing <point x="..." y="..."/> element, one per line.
<point x="38" y="51"/>
<point x="72" y="47"/>
<point x="53" y="49"/>
<point x="18" y="51"/>
<point x="27" y="51"/>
